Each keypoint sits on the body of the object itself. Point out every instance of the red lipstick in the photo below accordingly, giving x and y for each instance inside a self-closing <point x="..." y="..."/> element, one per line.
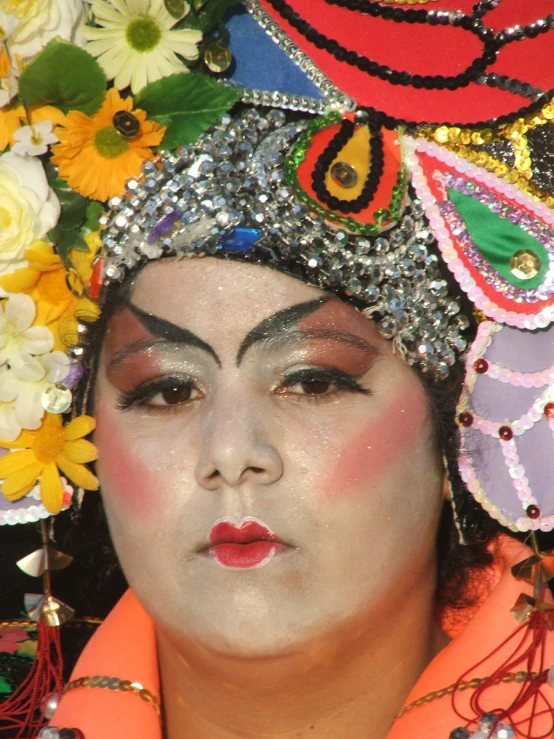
<point x="251" y="544"/>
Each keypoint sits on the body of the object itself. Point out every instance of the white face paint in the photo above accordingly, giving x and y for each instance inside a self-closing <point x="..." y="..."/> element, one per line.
<point x="261" y="398"/>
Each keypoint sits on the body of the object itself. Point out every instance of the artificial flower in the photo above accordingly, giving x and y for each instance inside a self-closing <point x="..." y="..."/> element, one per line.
<point x="9" y="72"/>
<point x="19" y="339"/>
<point x="34" y="140"/>
<point x="29" y="208"/>
<point x="45" y="279"/>
<point x="40" y="21"/>
<point x="41" y="454"/>
<point x="15" y="639"/>
<point x="13" y="117"/>
<point x="21" y="390"/>
<point x="136" y="44"/>
<point x="92" y="155"/>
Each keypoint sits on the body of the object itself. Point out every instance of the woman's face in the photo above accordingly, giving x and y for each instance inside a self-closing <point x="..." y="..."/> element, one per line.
<point x="266" y="459"/>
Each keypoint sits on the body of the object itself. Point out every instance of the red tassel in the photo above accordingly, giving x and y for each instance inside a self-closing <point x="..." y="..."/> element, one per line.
<point x="22" y="711"/>
<point x="527" y="656"/>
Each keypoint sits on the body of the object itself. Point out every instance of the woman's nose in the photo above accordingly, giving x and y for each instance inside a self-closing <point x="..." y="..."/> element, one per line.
<point x="236" y="449"/>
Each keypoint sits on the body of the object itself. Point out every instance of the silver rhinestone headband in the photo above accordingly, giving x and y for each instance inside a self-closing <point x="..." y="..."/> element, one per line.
<point x="226" y="196"/>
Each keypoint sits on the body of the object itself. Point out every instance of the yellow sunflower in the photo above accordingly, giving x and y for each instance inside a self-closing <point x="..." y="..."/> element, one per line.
<point x="41" y="454"/>
<point x="48" y="282"/>
<point x="14" y="116"/>
<point x="94" y="157"/>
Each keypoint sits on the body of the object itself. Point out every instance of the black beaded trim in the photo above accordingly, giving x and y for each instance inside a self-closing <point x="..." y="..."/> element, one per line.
<point x="380" y="119"/>
<point x="385" y="73"/>
<point x="481" y="8"/>
<point x="510" y="84"/>
<point x="531" y="30"/>
<point x="338" y="142"/>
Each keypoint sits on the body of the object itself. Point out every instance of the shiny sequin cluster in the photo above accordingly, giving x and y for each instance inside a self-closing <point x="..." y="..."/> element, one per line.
<point x="227" y="196"/>
<point x="509" y="432"/>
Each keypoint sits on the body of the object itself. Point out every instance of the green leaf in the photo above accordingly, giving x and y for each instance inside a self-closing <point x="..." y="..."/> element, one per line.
<point x="65" y="76"/>
<point x="66" y="233"/>
<point x="208" y="17"/>
<point x="187" y="104"/>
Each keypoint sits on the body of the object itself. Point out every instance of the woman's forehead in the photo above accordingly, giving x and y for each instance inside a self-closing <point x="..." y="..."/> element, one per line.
<point x="216" y="296"/>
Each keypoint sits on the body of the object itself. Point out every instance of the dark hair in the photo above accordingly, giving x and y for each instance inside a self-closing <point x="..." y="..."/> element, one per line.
<point x="88" y="539"/>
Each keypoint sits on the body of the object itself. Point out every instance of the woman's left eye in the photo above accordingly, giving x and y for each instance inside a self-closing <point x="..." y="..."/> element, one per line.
<point x="319" y="382"/>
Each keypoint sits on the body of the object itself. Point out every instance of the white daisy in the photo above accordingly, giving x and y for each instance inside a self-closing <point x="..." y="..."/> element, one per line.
<point x="135" y="45"/>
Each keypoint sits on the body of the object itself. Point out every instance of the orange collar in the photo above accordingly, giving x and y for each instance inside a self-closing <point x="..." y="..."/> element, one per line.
<point x="124" y="647"/>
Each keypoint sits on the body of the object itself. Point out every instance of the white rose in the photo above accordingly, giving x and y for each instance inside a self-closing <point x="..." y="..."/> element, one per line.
<point x="29" y="208"/>
<point x="42" y="20"/>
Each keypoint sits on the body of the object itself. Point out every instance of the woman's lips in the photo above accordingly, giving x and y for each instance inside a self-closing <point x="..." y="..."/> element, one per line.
<point x="252" y="544"/>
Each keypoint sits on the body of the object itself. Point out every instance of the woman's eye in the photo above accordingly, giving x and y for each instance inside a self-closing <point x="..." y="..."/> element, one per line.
<point x="174" y="395"/>
<point x="168" y="393"/>
<point x="314" y="387"/>
<point x="325" y="381"/>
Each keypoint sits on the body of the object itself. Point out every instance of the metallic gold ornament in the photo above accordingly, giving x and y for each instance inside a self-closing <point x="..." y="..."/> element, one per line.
<point x="126" y="124"/>
<point x="46" y="609"/>
<point x="537" y="568"/>
<point x="56" y="398"/>
<point x="525" y="264"/>
<point x="525" y="605"/>
<point x="45" y="558"/>
<point x="344" y="174"/>
<point x="217" y="57"/>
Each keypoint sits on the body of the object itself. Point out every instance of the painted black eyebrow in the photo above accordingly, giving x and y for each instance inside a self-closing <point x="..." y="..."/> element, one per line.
<point x="330" y="334"/>
<point x="164" y="330"/>
<point x="279" y="322"/>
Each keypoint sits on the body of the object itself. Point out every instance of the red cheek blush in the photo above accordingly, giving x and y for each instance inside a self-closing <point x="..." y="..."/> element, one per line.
<point x="123" y="475"/>
<point x="378" y="448"/>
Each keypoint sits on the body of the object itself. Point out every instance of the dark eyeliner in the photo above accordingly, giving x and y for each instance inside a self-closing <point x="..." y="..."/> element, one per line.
<point x="335" y="377"/>
<point x="139" y="395"/>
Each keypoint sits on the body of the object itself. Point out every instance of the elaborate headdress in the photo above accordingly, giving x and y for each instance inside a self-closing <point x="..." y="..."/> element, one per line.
<point x="395" y="153"/>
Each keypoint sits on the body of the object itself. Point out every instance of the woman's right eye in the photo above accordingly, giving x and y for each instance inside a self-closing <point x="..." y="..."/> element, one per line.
<point x="175" y="395"/>
<point x="167" y="393"/>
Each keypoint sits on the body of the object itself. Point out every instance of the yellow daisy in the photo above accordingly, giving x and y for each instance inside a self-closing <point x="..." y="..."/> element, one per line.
<point x="95" y="157"/>
<point x="41" y="454"/>
<point x="47" y="281"/>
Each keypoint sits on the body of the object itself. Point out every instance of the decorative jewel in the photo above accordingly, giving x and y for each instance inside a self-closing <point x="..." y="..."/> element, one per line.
<point x="505" y="433"/>
<point x="549" y="410"/>
<point x="533" y="511"/>
<point x="344" y="174"/>
<point x="525" y="264"/>
<point x="217" y="57"/>
<point x="481" y="366"/>
<point x="56" y="398"/>
<point x="50" y="705"/>
<point x="465" y="419"/>
<point x="126" y="124"/>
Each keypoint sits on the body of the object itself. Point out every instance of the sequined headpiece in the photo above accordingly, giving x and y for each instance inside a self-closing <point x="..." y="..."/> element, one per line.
<point x="411" y="181"/>
<point x="236" y="194"/>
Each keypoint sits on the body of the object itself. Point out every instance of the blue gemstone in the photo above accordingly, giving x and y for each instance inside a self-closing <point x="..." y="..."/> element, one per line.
<point x="163" y="226"/>
<point x="240" y="240"/>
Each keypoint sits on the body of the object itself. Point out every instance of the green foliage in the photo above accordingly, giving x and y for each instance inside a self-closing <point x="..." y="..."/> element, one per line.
<point x="207" y="16"/>
<point x="65" y="76"/>
<point x="187" y="104"/>
<point x="66" y="234"/>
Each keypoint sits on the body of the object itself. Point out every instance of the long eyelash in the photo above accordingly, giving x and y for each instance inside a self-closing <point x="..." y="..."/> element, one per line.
<point x="131" y="398"/>
<point x="335" y="377"/>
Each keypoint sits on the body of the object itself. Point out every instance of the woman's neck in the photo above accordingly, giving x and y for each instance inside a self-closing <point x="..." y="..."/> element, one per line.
<point x="352" y="684"/>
